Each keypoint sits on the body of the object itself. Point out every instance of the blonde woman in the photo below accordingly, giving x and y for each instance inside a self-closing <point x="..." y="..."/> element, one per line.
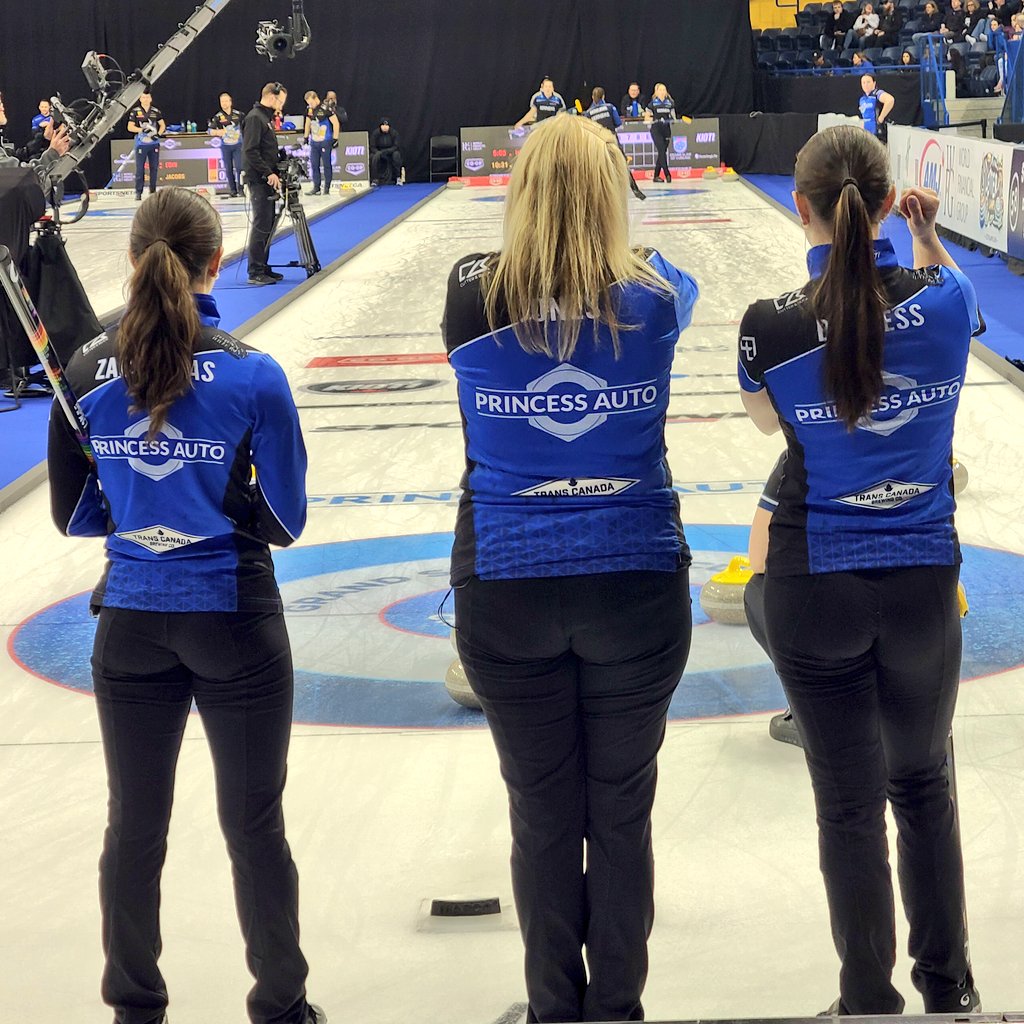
<point x="662" y="113"/>
<point x="570" y="568"/>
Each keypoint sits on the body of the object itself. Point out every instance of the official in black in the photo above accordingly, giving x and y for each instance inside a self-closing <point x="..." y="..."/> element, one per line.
<point x="259" y="162"/>
<point x="386" y="155"/>
<point x="634" y="103"/>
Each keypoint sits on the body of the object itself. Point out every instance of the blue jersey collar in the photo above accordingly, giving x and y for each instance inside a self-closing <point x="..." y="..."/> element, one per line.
<point x="885" y="256"/>
<point x="209" y="315"/>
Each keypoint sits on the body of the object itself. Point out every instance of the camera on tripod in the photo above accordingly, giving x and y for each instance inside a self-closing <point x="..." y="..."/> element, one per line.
<point x="290" y="169"/>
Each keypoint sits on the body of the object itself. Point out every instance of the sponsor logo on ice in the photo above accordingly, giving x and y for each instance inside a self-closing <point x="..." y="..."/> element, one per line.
<point x="886" y="495"/>
<point x="369" y="387"/>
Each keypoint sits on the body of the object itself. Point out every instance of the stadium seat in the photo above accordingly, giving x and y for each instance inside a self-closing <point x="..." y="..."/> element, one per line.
<point x="786" y="39"/>
<point x="873" y="53"/>
<point x="785" y="63"/>
<point x="765" y="44"/>
<point x="807" y="40"/>
<point x="892" y="55"/>
<point x="852" y="6"/>
<point x="755" y="33"/>
<point x="768" y="59"/>
<point x="808" y="17"/>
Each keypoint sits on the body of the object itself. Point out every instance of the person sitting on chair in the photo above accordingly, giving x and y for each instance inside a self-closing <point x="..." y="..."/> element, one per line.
<point x="386" y="156"/>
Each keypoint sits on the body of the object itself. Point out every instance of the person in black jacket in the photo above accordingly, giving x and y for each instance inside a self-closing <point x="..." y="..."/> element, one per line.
<point x="838" y="24"/>
<point x="259" y="162"/>
<point x="386" y="156"/>
<point x="890" y="21"/>
<point x="634" y="103"/>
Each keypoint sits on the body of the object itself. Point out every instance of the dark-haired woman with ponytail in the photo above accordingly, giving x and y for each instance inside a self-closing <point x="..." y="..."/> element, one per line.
<point x="861" y="369"/>
<point x="199" y="467"/>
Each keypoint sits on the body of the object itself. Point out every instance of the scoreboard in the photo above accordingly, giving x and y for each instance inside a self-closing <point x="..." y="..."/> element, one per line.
<point x="492" y="150"/>
<point x="193" y="160"/>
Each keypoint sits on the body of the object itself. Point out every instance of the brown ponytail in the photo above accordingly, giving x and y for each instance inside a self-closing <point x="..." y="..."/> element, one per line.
<point x="844" y="174"/>
<point x="174" y="237"/>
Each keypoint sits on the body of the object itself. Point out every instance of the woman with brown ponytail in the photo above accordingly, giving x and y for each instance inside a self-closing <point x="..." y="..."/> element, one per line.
<point x="861" y="368"/>
<point x="182" y="419"/>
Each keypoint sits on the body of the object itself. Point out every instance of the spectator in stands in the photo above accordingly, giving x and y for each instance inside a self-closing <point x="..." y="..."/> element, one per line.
<point x="974" y="29"/>
<point x="837" y="25"/>
<point x="908" y="58"/>
<point x="996" y="39"/>
<point x="1016" y="29"/>
<point x="955" y="22"/>
<point x="386" y="156"/>
<point x="930" y="24"/>
<point x="861" y="62"/>
<point x="634" y="103"/>
<point x="1002" y="11"/>
<point x="890" y="21"/>
<point x="863" y="28"/>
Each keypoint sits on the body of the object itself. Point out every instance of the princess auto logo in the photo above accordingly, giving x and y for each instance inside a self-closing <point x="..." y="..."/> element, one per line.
<point x="566" y="402"/>
<point x="161" y="456"/>
<point x="901" y="400"/>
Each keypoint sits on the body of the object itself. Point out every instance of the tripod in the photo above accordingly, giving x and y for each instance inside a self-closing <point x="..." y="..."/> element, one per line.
<point x="292" y="205"/>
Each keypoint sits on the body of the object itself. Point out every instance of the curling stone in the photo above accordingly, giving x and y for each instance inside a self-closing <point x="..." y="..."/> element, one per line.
<point x="457" y="685"/>
<point x="710" y="173"/>
<point x="456" y="183"/>
<point x="961" y="596"/>
<point x="722" y="596"/>
<point x="960" y="477"/>
<point x="730" y="175"/>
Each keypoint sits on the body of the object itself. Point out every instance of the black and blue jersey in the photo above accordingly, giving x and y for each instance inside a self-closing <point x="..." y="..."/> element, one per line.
<point x="230" y="125"/>
<point x="547" y="106"/>
<point x="566" y="461"/>
<point x="869" y="105"/>
<point x="663" y="110"/>
<point x="604" y="114"/>
<point x="881" y="495"/>
<point x="187" y="528"/>
<point x="321" y="129"/>
<point x="40" y="121"/>
<point x="148" y="123"/>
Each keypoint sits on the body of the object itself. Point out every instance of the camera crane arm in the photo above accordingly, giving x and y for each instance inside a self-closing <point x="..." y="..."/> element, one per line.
<point x="89" y="132"/>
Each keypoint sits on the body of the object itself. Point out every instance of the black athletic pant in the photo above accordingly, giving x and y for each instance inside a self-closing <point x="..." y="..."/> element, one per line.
<point x="147" y="668"/>
<point x="146" y="156"/>
<point x="870" y="662"/>
<point x="575" y="675"/>
<point x="661" y="133"/>
<point x="263" y="199"/>
<point x="385" y="166"/>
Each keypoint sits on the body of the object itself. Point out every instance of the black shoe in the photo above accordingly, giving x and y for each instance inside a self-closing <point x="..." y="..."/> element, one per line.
<point x="274" y="274"/>
<point x="234" y="195"/>
<point x="314" y="1015"/>
<point x="668" y="177"/>
<point x="138" y="197"/>
<point x="963" y="998"/>
<point x="784" y="729"/>
<point x="313" y="192"/>
<point x="262" y="279"/>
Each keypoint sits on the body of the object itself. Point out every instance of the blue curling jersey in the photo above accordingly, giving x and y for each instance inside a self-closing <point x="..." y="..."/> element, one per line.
<point x="869" y="105"/>
<point x="547" y="106"/>
<point x="187" y="528"/>
<point x="881" y="495"/>
<point x="604" y="114"/>
<point x="566" y="469"/>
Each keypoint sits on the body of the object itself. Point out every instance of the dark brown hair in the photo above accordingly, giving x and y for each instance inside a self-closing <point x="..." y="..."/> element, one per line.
<point x="174" y="236"/>
<point x="843" y="173"/>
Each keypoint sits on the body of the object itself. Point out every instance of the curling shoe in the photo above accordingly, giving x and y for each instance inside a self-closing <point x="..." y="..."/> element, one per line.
<point x="314" y="1015"/>
<point x="784" y="729"/>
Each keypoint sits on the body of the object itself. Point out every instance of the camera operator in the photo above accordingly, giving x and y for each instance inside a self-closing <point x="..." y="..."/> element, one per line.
<point x="259" y="162"/>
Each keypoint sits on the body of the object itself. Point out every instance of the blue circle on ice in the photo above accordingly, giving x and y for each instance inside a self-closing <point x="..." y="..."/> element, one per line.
<point x="369" y="620"/>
